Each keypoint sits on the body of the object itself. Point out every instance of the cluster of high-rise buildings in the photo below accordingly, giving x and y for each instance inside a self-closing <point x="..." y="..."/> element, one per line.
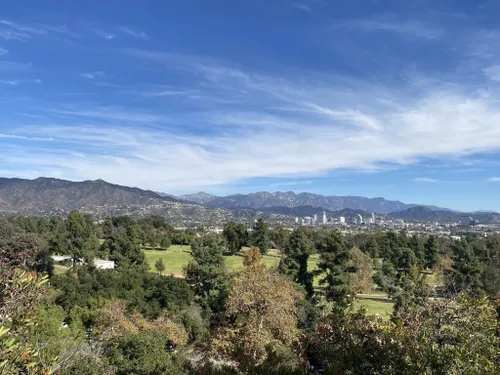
<point x="322" y="219"/>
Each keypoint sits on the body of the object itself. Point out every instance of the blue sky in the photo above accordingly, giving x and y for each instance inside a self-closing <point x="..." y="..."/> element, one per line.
<point x="376" y="98"/>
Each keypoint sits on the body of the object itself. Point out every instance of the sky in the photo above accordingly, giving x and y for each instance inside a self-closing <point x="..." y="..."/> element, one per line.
<point x="399" y="99"/>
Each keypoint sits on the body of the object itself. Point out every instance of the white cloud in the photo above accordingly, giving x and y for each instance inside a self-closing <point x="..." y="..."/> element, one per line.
<point x="10" y="30"/>
<point x="424" y="179"/>
<point x="14" y="136"/>
<point x="493" y="179"/>
<point x="304" y="8"/>
<point x="3" y="51"/>
<point x="104" y="34"/>
<point x="11" y="82"/>
<point x="16" y="82"/>
<point x="492" y="72"/>
<point x="93" y="75"/>
<point x="134" y="33"/>
<point x="389" y="24"/>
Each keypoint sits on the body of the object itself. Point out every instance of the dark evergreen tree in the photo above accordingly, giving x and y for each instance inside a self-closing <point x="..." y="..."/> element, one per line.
<point x="294" y="261"/>
<point x="81" y="236"/>
<point x="279" y="237"/>
<point x="260" y="236"/>
<point x="431" y="252"/>
<point x="416" y="243"/>
<point x="335" y="267"/>
<point x="465" y="275"/>
<point x="207" y="273"/>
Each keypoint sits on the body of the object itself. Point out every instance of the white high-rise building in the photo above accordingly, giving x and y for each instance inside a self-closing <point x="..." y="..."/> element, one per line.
<point x="324" y="221"/>
<point x="359" y="219"/>
<point x="342" y="220"/>
<point x="373" y="219"/>
<point x="315" y="219"/>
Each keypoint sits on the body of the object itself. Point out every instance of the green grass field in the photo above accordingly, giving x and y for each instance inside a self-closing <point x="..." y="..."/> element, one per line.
<point x="177" y="257"/>
<point x="375" y="304"/>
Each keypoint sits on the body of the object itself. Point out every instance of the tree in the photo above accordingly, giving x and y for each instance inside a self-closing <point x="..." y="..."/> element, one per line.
<point x="465" y="274"/>
<point x="361" y="280"/>
<point x="443" y="336"/>
<point x="143" y="353"/>
<point x="431" y="252"/>
<point x="261" y="236"/>
<point x="417" y="244"/>
<point x="372" y="248"/>
<point x="82" y="240"/>
<point x="235" y="235"/>
<point x="260" y="317"/>
<point x="160" y="266"/>
<point x="294" y="261"/>
<point x="279" y="237"/>
<point x="20" y="293"/>
<point x="165" y="242"/>
<point x="335" y="266"/>
<point x="207" y="273"/>
<point x="125" y="246"/>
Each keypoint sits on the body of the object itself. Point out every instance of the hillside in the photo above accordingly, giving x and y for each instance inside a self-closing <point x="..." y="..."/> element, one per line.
<point x="199" y="198"/>
<point x="49" y="194"/>
<point x="266" y="200"/>
<point x="425" y="214"/>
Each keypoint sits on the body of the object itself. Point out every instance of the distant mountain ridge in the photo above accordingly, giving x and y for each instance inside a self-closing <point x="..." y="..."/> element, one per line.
<point x="200" y="197"/>
<point x="55" y="197"/>
<point x="49" y="194"/>
<point x="425" y="214"/>
<point x="265" y="200"/>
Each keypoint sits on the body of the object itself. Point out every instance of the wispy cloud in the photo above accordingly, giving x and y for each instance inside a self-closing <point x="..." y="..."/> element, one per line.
<point x="413" y="28"/>
<point x="133" y="32"/>
<point x="492" y="72"/>
<point x="493" y="179"/>
<point x="113" y="32"/>
<point x="304" y="8"/>
<point x="10" y="30"/>
<point x="104" y="34"/>
<point x="24" y="138"/>
<point x="93" y="75"/>
<point x="16" y="82"/>
<point x="424" y="179"/>
<point x="3" y="51"/>
<point x="290" y="183"/>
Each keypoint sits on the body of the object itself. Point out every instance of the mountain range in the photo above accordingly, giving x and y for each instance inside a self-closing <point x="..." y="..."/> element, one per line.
<point x="264" y="200"/>
<point x="49" y="196"/>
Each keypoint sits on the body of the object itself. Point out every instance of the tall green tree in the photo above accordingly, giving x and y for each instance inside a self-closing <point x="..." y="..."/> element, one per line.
<point x="260" y="236"/>
<point x="280" y="236"/>
<point x="160" y="266"/>
<point x="236" y="236"/>
<point x="294" y="261"/>
<point x="335" y="266"/>
<point x="207" y="273"/>
<point x="82" y="240"/>
<point x="465" y="275"/>
<point x="431" y="252"/>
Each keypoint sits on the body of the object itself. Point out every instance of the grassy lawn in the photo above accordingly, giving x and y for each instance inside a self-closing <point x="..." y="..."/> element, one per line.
<point x="60" y="270"/>
<point x="376" y="303"/>
<point x="176" y="257"/>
